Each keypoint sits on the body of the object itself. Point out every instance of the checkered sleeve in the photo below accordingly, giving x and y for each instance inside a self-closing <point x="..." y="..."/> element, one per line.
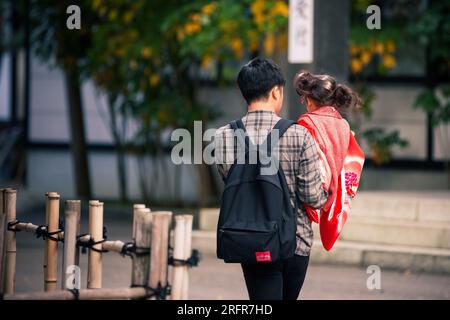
<point x="309" y="183"/>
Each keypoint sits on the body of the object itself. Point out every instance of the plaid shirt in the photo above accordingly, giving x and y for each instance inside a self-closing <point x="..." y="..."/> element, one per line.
<point x="297" y="157"/>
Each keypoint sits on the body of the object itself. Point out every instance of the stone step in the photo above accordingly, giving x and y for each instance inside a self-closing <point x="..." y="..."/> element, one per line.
<point x="427" y="206"/>
<point x="404" y="258"/>
<point x="394" y="232"/>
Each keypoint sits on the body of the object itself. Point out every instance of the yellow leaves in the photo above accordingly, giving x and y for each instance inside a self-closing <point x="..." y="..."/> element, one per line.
<point x="389" y="61"/>
<point x="209" y="8"/>
<point x="146" y="52"/>
<point x="192" y="27"/>
<point x="378" y="47"/>
<point x="153" y="80"/>
<point x="206" y="61"/>
<point x="257" y="8"/>
<point x="280" y="9"/>
<point x="283" y="41"/>
<point x="390" y="46"/>
<point x="362" y="55"/>
<point x="366" y="57"/>
<point x="180" y="34"/>
<point x="195" y="17"/>
<point x="236" y="46"/>
<point x="269" y="44"/>
<point x="356" y="66"/>
<point x="355" y="49"/>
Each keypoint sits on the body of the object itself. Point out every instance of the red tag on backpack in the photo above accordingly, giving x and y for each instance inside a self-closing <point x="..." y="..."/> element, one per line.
<point x="263" y="256"/>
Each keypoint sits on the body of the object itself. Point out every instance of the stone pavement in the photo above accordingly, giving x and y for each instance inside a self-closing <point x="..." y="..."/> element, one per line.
<point x="213" y="279"/>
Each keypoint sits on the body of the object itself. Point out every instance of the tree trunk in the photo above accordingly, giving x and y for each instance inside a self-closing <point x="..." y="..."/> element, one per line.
<point x="208" y="190"/>
<point x="78" y="140"/>
<point x="120" y="149"/>
<point x="121" y="167"/>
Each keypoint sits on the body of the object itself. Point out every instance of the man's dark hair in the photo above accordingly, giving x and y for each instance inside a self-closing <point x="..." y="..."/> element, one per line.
<point x="258" y="77"/>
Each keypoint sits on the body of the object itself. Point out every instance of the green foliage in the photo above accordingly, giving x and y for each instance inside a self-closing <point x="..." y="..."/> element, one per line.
<point x="382" y="142"/>
<point x="435" y="102"/>
<point x="432" y="29"/>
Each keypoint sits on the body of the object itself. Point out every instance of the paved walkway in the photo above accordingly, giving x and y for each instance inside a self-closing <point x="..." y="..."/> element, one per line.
<point x="214" y="279"/>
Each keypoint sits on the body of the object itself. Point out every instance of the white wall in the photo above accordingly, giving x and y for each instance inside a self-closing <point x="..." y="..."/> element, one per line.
<point x="5" y="86"/>
<point x="392" y="110"/>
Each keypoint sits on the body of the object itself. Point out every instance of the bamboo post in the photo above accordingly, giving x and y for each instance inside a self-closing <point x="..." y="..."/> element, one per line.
<point x="10" y="198"/>
<point x="2" y="238"/>
<point x="51" y="270"/>
<point x="44" y="266"/>
<point x="187" y="253"/>
<point x="159" y="249"/>
<point x="164" y="253"/>
<point x="136" y="209"/>
<point x="72" y="209"/>
<point x="96" y="233"/>
<point x="178" y="253"/>
<point x="142" y="224"/>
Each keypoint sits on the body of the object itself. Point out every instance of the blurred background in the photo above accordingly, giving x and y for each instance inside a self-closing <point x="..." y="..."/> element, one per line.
<point x="89" y="112"/>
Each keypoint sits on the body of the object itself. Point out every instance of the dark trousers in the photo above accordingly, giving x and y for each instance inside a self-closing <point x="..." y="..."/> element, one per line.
<point x="281" y="280"/>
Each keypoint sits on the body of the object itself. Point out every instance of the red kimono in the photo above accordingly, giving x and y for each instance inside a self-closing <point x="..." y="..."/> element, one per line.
<point x="342" y="163"/>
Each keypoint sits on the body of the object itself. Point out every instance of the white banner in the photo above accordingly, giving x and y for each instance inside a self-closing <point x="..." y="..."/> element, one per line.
<point x="301" y="31"/>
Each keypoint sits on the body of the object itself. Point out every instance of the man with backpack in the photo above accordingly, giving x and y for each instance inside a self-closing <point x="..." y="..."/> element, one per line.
<point x="263" y="224"/>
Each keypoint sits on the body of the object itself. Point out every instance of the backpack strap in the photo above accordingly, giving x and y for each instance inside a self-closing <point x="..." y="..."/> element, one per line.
<point x="282" y="125"/>
<point x="239" y="129"/>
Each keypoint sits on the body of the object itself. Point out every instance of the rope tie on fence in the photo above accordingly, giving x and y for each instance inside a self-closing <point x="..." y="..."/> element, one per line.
<point x="11" y="224"/>
<point x="76" y="293"/>
<point x="192" y="261"/>
<point x="159" y="292"/>
<point x="41" y="231"/>
<point x="130" y="249"/>
<point x="89" y="244"/>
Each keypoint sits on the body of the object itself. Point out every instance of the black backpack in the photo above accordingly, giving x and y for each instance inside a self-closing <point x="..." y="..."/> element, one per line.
<point x="257" y="223"/>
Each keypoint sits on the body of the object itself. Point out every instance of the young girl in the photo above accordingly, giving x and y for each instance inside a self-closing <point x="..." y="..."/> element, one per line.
<point x="341" y="157"/>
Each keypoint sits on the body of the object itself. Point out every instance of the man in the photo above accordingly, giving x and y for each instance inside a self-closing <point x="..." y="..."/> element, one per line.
<point x="261" y="83"/>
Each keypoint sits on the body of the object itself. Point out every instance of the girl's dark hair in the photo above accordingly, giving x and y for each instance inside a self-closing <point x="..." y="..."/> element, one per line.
<point x="325" y="91"/>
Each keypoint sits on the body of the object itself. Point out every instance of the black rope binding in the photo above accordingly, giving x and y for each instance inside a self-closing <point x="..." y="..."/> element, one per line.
<point x="11" y="224"/>
<point x="159" y="292"/>
<point x="76" y="293"/>
<point x="41" y="231"/>
<point x="127" y="249"/>
<point x="192" y="261"/>
<point x="84" y="245"/>
<point x="130" y="249"/>
<point x="91" y="243"/>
